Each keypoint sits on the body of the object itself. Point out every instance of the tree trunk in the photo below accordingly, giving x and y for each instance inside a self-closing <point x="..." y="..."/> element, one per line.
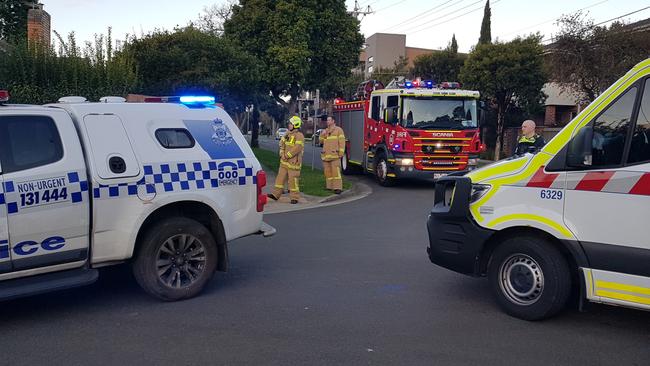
<point x="256" y="126"/>
<point x="500" y="121"/>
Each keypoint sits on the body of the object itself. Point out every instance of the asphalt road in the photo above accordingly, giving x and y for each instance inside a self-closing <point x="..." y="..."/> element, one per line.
<point x="341" y="285"/>
<point x="312" y="153"/>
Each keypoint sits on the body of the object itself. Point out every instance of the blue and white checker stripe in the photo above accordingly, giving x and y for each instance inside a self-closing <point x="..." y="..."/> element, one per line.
<point x="183" y="176"/>
<point x="77" y="188"/>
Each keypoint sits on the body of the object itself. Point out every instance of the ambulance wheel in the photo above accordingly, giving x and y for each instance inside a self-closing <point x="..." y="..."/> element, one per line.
<point x="176" y="259"/>
<point x="381" y="172"/>
<point x="529" y="277"/>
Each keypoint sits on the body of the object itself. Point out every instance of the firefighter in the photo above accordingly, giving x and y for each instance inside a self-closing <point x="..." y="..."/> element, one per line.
<point x="529" y="139"/>
<point x="333" y="140"/>
<point x="292" y="145"/>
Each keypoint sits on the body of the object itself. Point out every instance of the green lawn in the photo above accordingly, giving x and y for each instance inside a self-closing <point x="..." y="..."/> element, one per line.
<point x="312" y="182"/>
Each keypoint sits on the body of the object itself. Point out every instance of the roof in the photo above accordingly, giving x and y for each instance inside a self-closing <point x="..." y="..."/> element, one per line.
<point x="421" y="92"/>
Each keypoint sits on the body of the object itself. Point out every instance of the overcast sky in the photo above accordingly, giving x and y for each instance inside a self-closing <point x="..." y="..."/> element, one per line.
<point x="427" y="23"/>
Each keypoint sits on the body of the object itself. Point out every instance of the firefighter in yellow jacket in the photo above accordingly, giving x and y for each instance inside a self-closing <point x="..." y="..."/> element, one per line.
<point x="333" y="140"/>
<point x="292" y="146"/>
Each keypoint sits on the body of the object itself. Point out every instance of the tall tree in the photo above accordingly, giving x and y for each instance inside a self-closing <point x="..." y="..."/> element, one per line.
<point x="508" y="75"/>
<point x="13" y="19"/>
<point x="453" y="47"/>
<point x="299" y="44"/>
<point x="189" y="60"/>
<point x="438" y="65"/>
<point x="486" y="32"/>
<point x="587" y="59"/>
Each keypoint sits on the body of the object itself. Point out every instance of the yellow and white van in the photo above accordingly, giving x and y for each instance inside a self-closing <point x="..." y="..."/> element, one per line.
<point x="571" y="217"/>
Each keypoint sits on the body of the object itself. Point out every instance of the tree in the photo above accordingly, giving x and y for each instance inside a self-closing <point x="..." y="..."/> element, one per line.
<point x="587" y="59"/>
<point x="299" y="44"/>
<point x="13" y="19"/>
<point x="453" y="47"/>
<point x="438" y="66"/>
<point x="486" y="33"/>
<point x="38" y="75"/>
<point x="189" y="60"/>
<point x="507" y="75"/>
<point x="388" y="74"/>
<point x="212" y="18"/>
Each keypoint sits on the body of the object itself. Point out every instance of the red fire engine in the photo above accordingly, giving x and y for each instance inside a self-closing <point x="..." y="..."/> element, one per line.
<point x="416" y="130"/>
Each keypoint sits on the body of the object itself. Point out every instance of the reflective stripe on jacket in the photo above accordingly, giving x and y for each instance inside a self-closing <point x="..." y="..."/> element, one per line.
<point x="333" y="143"/>
<point x="292" y="146"/>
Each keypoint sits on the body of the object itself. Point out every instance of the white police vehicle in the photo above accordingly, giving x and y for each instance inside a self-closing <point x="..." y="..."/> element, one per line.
<point x="85" y="185"/>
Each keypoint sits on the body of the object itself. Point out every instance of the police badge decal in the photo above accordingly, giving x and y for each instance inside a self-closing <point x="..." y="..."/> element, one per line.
<point x="222" y="134"/>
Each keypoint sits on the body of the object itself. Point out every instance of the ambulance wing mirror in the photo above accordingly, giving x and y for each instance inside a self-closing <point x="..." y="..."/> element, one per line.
<point x="579" y="154"/>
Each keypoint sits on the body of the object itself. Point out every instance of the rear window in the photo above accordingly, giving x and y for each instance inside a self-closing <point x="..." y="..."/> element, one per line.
<point x="174" y="138"/>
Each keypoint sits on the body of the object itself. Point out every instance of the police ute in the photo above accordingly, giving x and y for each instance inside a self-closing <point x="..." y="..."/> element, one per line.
<point x="569" y="219"/>
<point x="84" y="185"/>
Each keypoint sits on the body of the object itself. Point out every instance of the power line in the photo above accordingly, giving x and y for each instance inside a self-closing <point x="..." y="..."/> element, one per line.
<point x="449" y="20"/>
<point x="443" y="16"/>
<point x="603" y="22"/>
<point x="555" y="18"/>
<point x="419" y="15"/>
<point x="389" y="6"/>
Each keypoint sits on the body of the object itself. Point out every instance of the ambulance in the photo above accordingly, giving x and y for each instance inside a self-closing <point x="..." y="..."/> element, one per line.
<point x="164" y="186"/>
<point x="567" y="220"/>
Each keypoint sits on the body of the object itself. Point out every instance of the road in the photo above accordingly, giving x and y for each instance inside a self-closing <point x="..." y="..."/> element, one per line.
<point x="312" y="153"/>
<point x="341" y="285"/>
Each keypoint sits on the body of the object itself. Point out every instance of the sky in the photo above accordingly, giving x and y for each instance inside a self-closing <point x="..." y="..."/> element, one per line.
<point x="426" y="23"/>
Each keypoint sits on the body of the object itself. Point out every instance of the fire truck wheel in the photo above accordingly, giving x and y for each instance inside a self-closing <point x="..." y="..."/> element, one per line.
<point x="529" y="277"/>
<point x="176" y="259"/>
<point x="381" y="172"/>
<point x="346" y="167"/>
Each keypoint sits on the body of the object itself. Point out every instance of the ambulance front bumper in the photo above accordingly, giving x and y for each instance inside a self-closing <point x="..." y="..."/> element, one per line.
<point x="455" y="240"/>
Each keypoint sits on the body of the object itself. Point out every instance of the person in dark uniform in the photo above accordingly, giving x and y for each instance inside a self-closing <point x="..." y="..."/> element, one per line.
<point x="528" y="139"/>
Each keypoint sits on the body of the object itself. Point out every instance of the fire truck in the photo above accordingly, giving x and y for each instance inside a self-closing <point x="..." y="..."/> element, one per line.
<point x="410" y="129"/>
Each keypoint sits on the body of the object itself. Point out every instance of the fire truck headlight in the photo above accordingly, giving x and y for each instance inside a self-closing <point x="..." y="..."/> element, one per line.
<point x="472" y="161"/>
<point x="404" y="161"/>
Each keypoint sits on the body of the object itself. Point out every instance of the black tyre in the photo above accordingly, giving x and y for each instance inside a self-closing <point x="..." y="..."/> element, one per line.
<point x="381" y="172"/>
<point x="176" y="258"/>
<point x="529" y="277"/>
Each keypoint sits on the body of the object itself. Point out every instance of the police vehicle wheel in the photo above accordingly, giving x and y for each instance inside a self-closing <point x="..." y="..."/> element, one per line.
<point x="530" y="279"/>
<point x="381" y="172"/>
<point x="176" y="259"/>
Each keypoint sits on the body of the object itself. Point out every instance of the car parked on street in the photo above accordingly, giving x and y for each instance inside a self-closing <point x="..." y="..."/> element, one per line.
<point x="280" y="132"/>
<point x="315" y="137"/>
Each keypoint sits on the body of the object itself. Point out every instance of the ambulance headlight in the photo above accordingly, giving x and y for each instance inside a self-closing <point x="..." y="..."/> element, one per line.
<point x="404" y="161"/>
<point x="478" y="191"/>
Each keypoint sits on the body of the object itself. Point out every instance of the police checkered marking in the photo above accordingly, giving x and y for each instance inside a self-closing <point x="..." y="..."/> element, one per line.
<point x="77" y="190"/>
<point x="183" y="176"/>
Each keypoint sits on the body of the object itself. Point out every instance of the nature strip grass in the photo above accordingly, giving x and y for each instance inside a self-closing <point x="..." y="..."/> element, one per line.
<point x="312" y="182"/>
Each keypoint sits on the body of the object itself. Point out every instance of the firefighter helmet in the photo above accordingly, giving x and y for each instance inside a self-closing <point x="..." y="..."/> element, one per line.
<point x="295" y="121"/>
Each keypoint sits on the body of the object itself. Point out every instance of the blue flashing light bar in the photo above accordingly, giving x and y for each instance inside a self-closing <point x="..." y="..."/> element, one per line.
<point x="429" y="84"/>
<point x="408" y="84"/>
<point x="197" y="99"/>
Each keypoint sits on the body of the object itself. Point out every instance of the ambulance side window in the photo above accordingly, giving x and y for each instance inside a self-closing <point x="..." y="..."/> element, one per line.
<point x="374" y="114"/>
<point x="640" y="144"/>
<point x="28" y="141"/>
<point x="608" y="134"/>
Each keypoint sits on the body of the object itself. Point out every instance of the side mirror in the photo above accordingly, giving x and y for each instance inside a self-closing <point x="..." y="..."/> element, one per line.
<point x="579" y="154"/>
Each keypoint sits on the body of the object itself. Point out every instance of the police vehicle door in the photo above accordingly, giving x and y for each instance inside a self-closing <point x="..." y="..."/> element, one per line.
<point x="45" y="190"/>
<point x="5" y="253"/>
<point x="608" y="200"/>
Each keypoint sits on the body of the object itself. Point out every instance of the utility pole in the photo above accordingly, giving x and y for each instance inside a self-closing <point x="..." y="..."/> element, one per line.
<point x="360" y="12"/>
